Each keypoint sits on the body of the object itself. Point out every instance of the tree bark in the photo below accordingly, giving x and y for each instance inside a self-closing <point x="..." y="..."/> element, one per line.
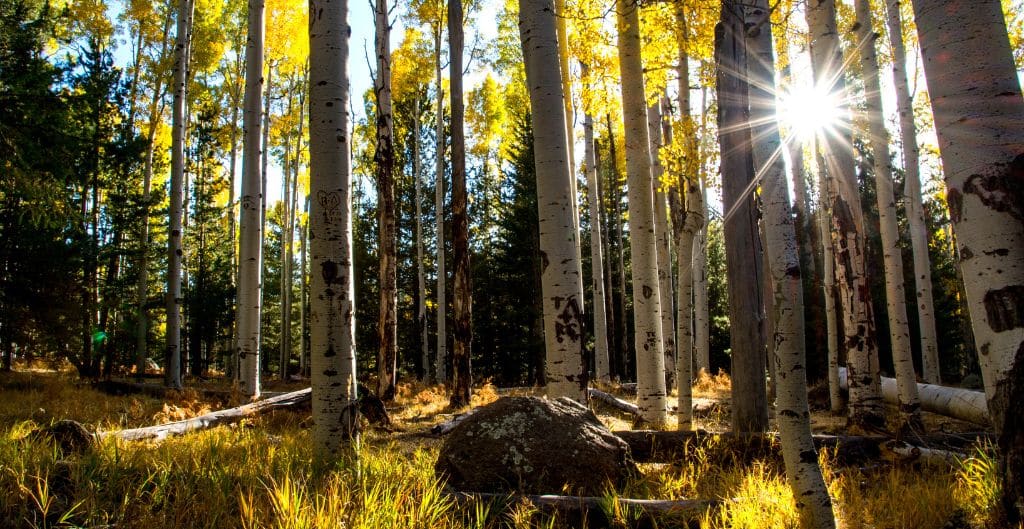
<point x="836" y="400"/>
<point x="895" y="293"/>
<point x="566" y="372"/>
<point x="786" y="337"/>
<point x="601" y="360"/>
<point x="462" y="381"/>
<point x="421" y="281"/>
<point x="978" y="108"/>
<point x="384" y="163"/>
<point x="743" y="258"/>
<point x="859" y="338"/>
<point x="172" y="374"/>
<point x="650" y="354"/>
<point x="661" y="232"/>
<point x="441" y="358"/>
<point x="250" y="224"/>
<point x="912" y="194"/>
<point x="958" y="403"/>
<point x="331" y="319"/>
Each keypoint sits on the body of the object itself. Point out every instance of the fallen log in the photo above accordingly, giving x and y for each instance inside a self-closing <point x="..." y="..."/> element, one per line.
<point x="958" y="403"/>
<point x="209" y="420"/>
<point x="614" y="401"/>
<point x="650" y="446"/>
<point x="593" y="511"/>
<point x="701" y="407"/>
<point x="449" y="425"/>
<point x="901" y="452"/>
<point x="370" y="407"/>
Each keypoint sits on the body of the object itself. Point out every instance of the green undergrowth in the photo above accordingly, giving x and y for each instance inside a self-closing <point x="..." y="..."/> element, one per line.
<point x="260" y="475"/>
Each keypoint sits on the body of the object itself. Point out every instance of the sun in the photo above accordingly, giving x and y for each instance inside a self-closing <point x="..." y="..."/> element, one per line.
<point x="808" y="110"/>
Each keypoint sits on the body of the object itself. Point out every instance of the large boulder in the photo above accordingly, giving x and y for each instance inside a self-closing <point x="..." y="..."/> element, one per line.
<point x="536" y="446"/>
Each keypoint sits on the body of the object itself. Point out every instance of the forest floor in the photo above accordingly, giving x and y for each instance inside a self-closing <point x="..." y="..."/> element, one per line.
<point x="259" y="473"/>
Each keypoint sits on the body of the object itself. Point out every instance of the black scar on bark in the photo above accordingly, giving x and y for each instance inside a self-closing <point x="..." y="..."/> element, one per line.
<point x="1004" y="308"/>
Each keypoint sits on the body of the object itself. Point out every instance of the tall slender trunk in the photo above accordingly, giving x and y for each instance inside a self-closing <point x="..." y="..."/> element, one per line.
<point x="620" y="259"/>
<point x="783" y="252"/>
<point x="828" y="283"/>
<point x="743" y="258"/>
<point x="848" y="222"/>
<point x="566" y="372"/>
<point x="250" y="252"/>
<point x="608" y="301"/>
<point x="895" y="293"/>
<point x="172" y="368"/>
<point x="566" y="78"/>
<point x="303" y="294"/>
<point x="384" y="163"/>
<point x="601" y="365"/>
<point x="462" y="381"/>
<point x="421" y="281"/>
<point x="978" y="108"/>
<point x="332" y="322"/>
<point x="649" y="343"/>
<point x="930" y="372"/>
<point x="661" y="232"/>
<point x="687" y="219"/>
<point x="441" y="358"/>
<point x="142" y="283"/>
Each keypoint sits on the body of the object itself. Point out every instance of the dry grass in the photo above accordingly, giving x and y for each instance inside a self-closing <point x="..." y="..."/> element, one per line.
<point x="260" y="474"/>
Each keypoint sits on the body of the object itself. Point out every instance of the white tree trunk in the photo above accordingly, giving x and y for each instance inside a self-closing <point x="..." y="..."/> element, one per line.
<point x="787" y="337"/>
<point x="895" y="293"/>
<point x="560" y="277"/>
<point x="701" y="317"/>
<point x="331" y="318"/>
<point x="601" y="360"/>
<point x="848" y="221"/>
<point x="387" y="242"/>
<point x="250" y="224"/>
<point x="421" y="281"/>
<point x="978" y="109"/>
<point x="172" y="369"/>
<point x="563" y="63"/>
<point x="662" y="232"/>
<point x="650" y="356"/>
<point x="441" y="358"/>
<point x="912" y="193"/>
<point x="828" y="282"/>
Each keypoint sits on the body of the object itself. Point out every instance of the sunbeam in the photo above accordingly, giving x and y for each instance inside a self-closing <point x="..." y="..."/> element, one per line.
<point x="808" y="110"/>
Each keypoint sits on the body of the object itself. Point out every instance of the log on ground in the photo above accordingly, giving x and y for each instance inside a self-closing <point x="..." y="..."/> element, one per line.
<point x="958" y="403"/>
<point x="594" y="511"/>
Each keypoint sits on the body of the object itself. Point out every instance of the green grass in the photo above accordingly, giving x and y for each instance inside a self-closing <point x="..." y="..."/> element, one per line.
<point x="261" y="475"/>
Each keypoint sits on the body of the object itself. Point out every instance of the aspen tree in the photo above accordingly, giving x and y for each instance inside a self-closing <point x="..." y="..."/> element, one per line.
<point x="977" y="105"/>
<point x="743" y="256"/>
<point x="560" y="277"/>
<point x="462" y="382"/>
<point x="331" y="317"/>
<point x="384" y="164"/>
<point x="441" y="360"/>
<point x="597" y="237"/>
<point x="783" y="256"/>
<point x="895" y="293"/>
<point x="661" y="230"/>
<point x="828" y="284"/>
<point x="859" y="340"/>
<point x="650" y="356"/>
<point x="912" y="193"/>
<point x="250" y="225"/>
<point x="172" y="367"/>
